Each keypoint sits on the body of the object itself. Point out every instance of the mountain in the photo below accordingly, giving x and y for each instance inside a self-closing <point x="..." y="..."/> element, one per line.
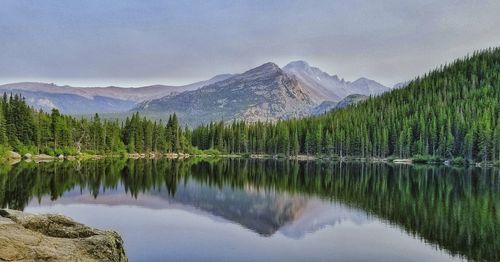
<point x="367" y="87"/>
<point x="324" y="107"/>
<point x="75" y="104"/>
<point x="325" y="87"/>
<point x="400" y="84"/>
<point x="327" y="106"/>
<point x="350" y="100"/>
<point x="321" y="85"/>
<point x="84" y="100"/>
<point x="262" y="93"/>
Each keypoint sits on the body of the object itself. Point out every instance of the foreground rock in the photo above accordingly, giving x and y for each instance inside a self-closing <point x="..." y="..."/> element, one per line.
<point x="28" y="237"/>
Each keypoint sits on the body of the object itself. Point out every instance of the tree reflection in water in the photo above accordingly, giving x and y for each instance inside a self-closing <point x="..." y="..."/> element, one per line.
<point x="455" y="209"/>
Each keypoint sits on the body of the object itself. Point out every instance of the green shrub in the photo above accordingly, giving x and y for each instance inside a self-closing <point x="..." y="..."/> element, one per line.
<point x="195" y="151"/>
<point x="435" y="159"/>
<point x="420" y="159"/>
<point x="458" y="161"/>
<point x="391" y="158"/>
<point x="58" y="151"/>
<point x="24" y="149"/>
<point x="281" y="155"/>
<point x="246" y="155"/>
<point x="3" y="151"/>
<point x="211" y="152"/>
<point x="123" y="154"/>
<point x="69" y="151"/>
<point x="49" y="151"/>
<point x="214" y="152"/>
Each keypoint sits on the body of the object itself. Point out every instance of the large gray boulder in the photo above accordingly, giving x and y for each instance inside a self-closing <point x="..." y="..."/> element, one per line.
<point x="28" y="237"/>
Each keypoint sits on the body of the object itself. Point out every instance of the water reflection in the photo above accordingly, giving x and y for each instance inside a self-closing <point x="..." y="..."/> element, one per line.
<point x="454" y="209"/>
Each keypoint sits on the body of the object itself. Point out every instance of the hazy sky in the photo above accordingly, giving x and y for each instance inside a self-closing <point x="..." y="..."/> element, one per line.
<point x="175" y="42"/>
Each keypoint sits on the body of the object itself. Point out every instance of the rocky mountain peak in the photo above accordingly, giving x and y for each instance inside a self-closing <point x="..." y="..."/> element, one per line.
<point x="297" y="64"/>
<point x="300" y="65"/>
<point x="267" y="68"/>
<point x="325" y="87"/>
<point x="363" y="80"/>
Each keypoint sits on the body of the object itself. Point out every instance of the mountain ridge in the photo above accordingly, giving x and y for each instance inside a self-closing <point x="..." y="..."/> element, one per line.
<point x="262" y="93"/>
<point x="326" y="87"/>
<point x="304" y="87"/>
<point x="135" y="94"/>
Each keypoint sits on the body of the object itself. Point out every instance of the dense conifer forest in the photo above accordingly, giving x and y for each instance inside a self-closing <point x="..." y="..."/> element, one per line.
<point x="25" y="130"/>
<point x="452" y="112"/>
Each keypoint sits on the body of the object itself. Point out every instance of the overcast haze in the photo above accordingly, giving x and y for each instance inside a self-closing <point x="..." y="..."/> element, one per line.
<point x="129" y="43"/>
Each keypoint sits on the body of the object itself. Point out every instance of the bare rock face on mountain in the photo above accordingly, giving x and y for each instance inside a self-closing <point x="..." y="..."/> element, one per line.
<point x="29" y="237"/>
<point x="260" y="94"/>
<point x="367" y="87"/>
<point x="324" y="87"/>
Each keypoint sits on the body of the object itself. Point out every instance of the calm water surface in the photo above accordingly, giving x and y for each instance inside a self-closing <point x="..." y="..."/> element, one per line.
<point x="269" y="210"/>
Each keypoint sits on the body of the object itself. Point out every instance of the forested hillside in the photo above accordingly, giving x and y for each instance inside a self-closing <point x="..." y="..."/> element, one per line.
<point x="453" y="111"/>
<point x="28" y="131"/>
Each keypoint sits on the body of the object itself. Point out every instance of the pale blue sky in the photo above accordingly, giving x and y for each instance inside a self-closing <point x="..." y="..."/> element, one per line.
<point x="128" y="43"/>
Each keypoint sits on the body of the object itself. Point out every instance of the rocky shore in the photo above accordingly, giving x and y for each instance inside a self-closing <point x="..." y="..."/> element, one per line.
<point x="14" y="157"/>
<point x="32" y="237"/>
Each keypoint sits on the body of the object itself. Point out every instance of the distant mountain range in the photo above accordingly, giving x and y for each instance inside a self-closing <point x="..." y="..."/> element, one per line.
<point x="264" y="93"/>
<point x="89" y="100"/>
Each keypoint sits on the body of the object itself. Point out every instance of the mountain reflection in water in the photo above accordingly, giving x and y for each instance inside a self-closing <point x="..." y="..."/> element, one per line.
<point x="457" y="210"/>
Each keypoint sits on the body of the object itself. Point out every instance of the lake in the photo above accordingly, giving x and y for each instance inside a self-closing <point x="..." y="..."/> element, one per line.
<point x="270" y="210"/>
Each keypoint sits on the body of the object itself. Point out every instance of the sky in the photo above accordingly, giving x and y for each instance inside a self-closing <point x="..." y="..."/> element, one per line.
<point x="134" y="43"/>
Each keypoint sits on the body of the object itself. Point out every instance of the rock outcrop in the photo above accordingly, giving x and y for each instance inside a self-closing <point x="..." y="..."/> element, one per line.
<point x="13" y="155"/>
<point x="27" y="156"/>
<point x="31" y="237"/>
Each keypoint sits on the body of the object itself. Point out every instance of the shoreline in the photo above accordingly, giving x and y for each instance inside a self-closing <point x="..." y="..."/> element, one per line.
<point x="14" y="157"/>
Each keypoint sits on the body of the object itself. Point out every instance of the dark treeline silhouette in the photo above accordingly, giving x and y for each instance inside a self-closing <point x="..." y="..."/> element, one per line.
<point x="453" y="111"/>
<point x="456" y="209"/>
